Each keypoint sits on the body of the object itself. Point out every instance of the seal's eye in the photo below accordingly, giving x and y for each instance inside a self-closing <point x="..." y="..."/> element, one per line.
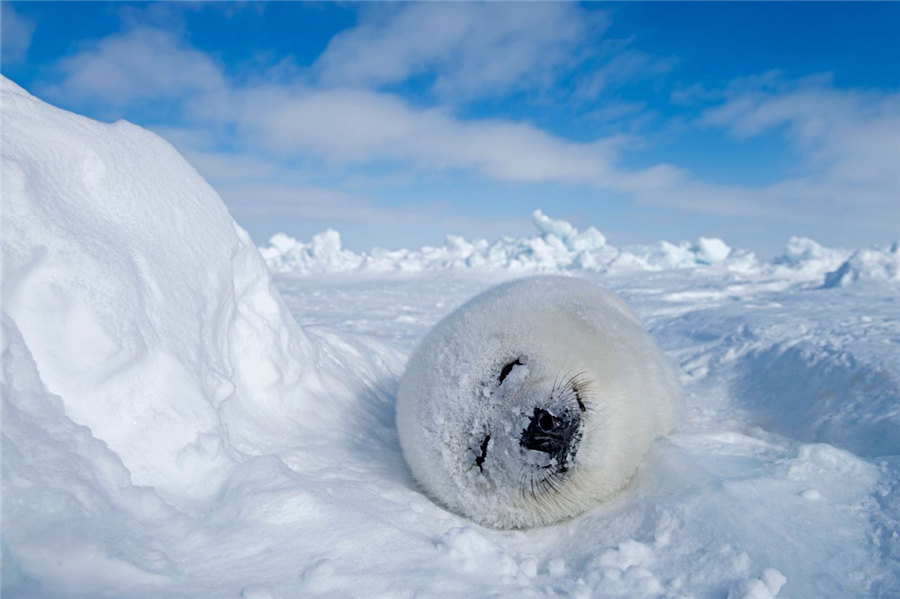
<point x="479" y="461"/>
<point x="546" y="422"/>
<point x="504" y="372"/>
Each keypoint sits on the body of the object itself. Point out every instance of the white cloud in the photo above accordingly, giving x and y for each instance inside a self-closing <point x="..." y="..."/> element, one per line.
<point x="355" y="126"/>
<point x="221" y="167"/>
<point x="471" y="50"/>
<point x="306" y="202"/>
<point x="16" y="33"/>
<point x="848" y="142"/>
<point x="261" y="199"/>
<point x="337" y="125"/>
<point x="256" y="187"/>
<point x="217" y="166"/>
<point x="140" y="64"/>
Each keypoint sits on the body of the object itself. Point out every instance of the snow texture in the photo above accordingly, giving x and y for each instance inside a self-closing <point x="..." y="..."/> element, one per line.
<point x="176" y="423"/>
<point x="557" y="346"/>
<point x="147" y="310"/>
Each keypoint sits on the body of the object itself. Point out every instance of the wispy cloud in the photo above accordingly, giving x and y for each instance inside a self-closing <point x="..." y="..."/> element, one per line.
<point x="847" y="173"/>
<point x="847" y="136"/>
<point x="620" y="65"/>
<point x="264" y="199"/>
<point x="138" y="65"/>
<point x="225" y="167"/>
<point x="466" y="50"/>
<point x="16" y="33"/>
<point x="356" y="126"/>
<point x="267" y="200"/>
<point x="468" y="45"/>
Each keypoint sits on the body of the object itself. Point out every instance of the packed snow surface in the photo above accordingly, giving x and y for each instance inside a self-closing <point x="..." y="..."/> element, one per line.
<point x="178" y="423"/>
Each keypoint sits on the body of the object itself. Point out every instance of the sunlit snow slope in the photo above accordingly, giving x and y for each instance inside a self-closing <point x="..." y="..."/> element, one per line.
<point x="134" y="306"/>
<point x="177" y="424"/>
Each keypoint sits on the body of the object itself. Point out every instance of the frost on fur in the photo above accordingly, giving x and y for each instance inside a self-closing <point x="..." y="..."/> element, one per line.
<point x="533" y="402"/>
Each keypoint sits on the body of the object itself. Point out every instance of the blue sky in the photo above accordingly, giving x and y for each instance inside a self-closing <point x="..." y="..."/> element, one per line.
<point x="399" y="123"/>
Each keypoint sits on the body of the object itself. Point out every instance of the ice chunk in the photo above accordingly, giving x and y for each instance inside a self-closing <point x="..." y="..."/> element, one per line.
<point x="867" y="265"/>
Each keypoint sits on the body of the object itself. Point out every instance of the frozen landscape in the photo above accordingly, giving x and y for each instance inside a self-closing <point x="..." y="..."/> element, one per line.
<point x="186" y="416"/>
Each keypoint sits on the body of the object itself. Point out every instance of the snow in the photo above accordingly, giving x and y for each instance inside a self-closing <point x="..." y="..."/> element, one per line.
<point x="867" y="265"/>
<point x="176" y="422"/>
<point x="147" y="310"/>
<point x="560" y="247"/>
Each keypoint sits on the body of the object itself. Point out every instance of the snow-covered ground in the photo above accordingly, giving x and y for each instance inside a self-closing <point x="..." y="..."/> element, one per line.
<point x="176" y="422"/>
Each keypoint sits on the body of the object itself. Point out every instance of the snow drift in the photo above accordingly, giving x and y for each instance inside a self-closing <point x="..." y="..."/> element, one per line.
<point x="147" y="310"/>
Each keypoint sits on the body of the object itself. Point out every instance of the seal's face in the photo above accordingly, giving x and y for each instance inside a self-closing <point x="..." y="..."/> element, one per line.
<point x="525" y="441"/>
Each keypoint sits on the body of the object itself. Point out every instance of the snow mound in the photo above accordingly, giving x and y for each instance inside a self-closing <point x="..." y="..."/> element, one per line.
<point x="572" y="240"/>
<point x="55" y="476"/>
<point x="664" y="255"/>
<point x="322" y="254"/>
<point x="558" y="246"/>
<point x="813" y="391"/>
<point x="147" y="310"/>
<point x="805" y="256"/>
<point x="867" y="265"/>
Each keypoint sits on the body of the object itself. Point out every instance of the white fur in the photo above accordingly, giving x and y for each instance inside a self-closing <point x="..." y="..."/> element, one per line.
<point x="450" y="398"/>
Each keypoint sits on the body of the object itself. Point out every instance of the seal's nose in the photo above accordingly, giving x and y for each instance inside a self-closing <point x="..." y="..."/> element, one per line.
<point x="548" y="434"/>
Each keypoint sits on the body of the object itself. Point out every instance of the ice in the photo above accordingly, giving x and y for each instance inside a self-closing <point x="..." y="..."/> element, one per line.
<point x="810" y="258"/>
<point x="559" y="246"/>
<point x="178" y="423"/>
<point x="322" y="254"/>
<point x="872" y="264"/>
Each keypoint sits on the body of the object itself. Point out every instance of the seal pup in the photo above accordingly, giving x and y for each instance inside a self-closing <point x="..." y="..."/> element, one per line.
<point x="533" y="402"/>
